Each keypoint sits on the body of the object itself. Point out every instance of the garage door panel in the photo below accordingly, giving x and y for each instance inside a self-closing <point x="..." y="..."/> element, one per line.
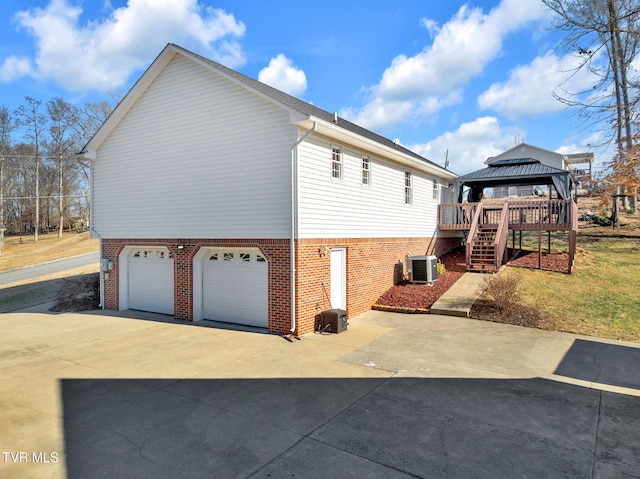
<point x="151" y="281"/>
<point x="235" y="287"/>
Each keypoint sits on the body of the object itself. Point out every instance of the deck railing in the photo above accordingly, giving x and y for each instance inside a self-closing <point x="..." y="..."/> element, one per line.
<point x="500" y="244"/>
<point x="457" y="216"/>
<point x="473" y="228"/>
<point x="532" y="215"/>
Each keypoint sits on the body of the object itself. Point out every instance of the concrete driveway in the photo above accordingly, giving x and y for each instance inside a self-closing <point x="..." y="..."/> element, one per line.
<point x="134" y="395"/>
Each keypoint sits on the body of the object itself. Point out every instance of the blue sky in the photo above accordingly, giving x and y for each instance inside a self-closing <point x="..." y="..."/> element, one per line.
<point x="473" y="78"/>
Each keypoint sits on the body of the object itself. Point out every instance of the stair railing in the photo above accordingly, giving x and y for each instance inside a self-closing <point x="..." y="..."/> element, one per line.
<point x="502" y="234"/>
<point x="472" y="232"/>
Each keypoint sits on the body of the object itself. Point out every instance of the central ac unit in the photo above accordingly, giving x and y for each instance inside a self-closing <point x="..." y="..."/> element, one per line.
<point x="423" y="269"/>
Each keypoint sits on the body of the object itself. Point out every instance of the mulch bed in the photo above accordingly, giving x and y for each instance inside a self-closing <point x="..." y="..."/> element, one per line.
<point x="550" y="261"/>
<point x="413" y="298"/>
<point x="418" y="298"/>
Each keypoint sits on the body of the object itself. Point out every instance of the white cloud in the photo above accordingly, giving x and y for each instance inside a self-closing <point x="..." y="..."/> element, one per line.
<point x="529" y="89"/>
<point x="461" y="49"/>
<point x="470" y="145"/>
<point x="101" y="54"/>
<point x="282" y="74"/>
<point x="14" y="68"/>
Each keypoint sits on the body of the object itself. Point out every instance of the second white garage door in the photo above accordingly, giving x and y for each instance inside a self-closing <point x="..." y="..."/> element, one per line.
<point x="235" y="286"/>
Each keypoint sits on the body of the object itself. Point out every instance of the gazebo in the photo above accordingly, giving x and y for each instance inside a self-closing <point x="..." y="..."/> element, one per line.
<point x="518" y="172"/>
<point x="486" y="223"/>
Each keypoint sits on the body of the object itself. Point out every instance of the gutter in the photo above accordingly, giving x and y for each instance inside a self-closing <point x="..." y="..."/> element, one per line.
<point x="294" y="225"/>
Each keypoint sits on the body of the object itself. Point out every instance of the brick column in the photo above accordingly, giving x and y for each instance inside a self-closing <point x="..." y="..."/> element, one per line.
<point x="183" y="280"/>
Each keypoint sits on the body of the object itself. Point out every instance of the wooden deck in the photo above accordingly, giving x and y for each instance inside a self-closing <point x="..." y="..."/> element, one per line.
<point x="489" y="222"/>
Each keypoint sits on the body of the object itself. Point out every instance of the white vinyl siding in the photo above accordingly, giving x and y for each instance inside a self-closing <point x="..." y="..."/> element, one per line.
<point x="330" y="209"/>
<point x="196" y="156"/>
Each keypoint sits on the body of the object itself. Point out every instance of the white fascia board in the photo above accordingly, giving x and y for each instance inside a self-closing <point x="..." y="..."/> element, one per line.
<point x="340" y="134"/>
<point x="89" y="154"/>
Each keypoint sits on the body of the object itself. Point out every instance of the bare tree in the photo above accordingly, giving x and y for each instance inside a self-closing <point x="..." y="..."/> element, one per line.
<point x="31" y="118"/>
<point x="605" y="35"/>
<point x="7" y="127"/>
<point x="596" y="29"/>
<point x="63" y="142"/>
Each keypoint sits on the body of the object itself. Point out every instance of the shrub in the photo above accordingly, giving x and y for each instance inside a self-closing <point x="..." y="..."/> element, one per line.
<point x="502" y="289"/>
<point x="440" y="268"/>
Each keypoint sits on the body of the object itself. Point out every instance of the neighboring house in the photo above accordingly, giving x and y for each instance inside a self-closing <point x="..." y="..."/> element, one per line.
<point x="215" y="196"/>
<point x="579" y="164"/>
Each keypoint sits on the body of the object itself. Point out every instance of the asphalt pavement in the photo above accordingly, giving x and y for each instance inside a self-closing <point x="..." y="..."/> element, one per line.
<point x="135" y="395"/>
<point x="49" y="267"/>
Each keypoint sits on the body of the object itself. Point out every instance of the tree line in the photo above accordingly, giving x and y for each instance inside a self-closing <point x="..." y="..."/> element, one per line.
<point x="44" y="186"/>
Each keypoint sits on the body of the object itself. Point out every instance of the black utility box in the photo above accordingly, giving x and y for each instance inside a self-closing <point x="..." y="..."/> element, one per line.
<point x="333" y="321"/>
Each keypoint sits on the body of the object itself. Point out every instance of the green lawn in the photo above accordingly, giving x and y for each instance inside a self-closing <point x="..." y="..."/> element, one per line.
<point x="602" y="296"/>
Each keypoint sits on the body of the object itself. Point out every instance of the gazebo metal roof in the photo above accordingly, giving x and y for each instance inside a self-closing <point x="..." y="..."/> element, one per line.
<point x="515" y="172"/>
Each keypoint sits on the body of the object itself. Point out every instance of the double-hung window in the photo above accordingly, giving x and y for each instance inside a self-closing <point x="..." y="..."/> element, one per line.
<point x="408" y="188"/>
<point x="336" y="163"/>
<point x="366" y="171"/>
<point x="435" y="189"/>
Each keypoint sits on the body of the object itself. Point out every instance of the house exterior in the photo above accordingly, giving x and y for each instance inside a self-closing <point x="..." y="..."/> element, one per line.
<point x="217" y="197"/>
<point x="579" y="164"/>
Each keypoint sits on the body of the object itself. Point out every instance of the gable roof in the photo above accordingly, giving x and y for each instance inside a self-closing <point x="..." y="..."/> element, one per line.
<point x="302" y="113"/>
<point x="569" y="159"/>
<point x="492" y="159"/>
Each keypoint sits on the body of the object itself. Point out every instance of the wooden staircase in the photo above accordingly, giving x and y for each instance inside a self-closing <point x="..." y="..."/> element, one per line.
<point x="483" y="252"/>
<point x="487" y="241"/>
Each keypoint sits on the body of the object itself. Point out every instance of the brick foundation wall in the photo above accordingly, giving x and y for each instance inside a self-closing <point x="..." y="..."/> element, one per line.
<point x="372" y="268"/>
<point x="371" y="265"/>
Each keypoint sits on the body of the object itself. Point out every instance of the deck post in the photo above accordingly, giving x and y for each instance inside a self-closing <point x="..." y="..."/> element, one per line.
<point x="539" y="249"/>
<point x="572" y="247"/>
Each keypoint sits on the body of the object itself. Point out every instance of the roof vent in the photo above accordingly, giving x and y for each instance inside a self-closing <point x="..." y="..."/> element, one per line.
<point x="396" y="141"/>
<point x="335" y="117"/>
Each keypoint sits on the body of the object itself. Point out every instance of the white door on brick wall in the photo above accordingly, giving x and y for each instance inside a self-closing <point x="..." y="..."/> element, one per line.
<point x="150" y="281"/>
<point x="235" y="287"/>
<point x="339" y="278"/>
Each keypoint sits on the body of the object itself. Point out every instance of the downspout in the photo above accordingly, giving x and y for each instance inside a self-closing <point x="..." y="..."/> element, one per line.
<point x="94" y="232"/>
<point x="294" y="214"/>
<point x="83" y="154"/>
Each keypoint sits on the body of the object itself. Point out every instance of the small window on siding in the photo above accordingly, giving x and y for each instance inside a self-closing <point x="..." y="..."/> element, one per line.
<point x="435" y="190"/>
<point x="408" y="188"/>
<point x="366" y="171"/>
<point x="336" y="163"/>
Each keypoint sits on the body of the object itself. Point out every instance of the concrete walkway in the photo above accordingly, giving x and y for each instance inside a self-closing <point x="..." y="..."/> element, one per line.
<point x="458" y="299"/>
<point x="113" y="394"/>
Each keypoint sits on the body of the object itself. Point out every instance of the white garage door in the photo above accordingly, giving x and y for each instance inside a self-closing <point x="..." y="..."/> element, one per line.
<point x="151" y="280"/>
<point x="235" y="287"/>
